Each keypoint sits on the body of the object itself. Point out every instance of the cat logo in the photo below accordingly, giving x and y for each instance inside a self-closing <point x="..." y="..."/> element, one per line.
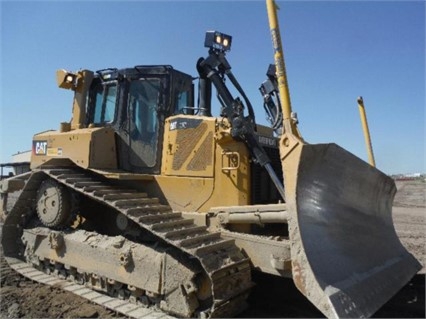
<point x="184" y="123"/>
<point x="173" y="126"/>
<point x="39" y="147"/>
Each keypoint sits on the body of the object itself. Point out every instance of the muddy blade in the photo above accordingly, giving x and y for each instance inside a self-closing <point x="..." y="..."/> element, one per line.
<point x="347" y="258"/>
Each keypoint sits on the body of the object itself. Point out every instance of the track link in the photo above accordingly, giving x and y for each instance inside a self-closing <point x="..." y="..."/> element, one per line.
<point x="227" y="268"/>
<point x="124" y="307"/>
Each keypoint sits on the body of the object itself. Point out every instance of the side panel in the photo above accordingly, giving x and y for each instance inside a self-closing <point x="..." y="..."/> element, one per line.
<point x="203" y="166"/>
<point x="91" y="147"/>
<point x="189" y="146"/>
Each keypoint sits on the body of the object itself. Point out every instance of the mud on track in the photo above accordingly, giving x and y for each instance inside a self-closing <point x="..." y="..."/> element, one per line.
<point x="272" y="297"/>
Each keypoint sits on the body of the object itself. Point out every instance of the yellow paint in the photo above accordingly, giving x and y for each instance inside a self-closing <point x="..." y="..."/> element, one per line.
<point x="86" y="148"/>
<point x="366" y="131"/>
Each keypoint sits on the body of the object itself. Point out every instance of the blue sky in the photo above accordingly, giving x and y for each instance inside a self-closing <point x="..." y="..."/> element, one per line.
<point x="335" y="51"/>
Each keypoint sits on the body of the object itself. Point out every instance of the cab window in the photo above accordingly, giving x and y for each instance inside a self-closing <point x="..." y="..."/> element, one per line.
<point x="102" y="103"/>
<point x="183" y="103"/>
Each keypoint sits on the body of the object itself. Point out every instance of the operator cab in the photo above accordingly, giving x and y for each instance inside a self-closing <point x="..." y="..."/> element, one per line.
<point x="135" y="102"/>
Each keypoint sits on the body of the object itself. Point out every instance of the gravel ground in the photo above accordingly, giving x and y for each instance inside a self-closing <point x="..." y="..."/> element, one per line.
<point x="21" y="298"/>
<point x="409" y="217"/>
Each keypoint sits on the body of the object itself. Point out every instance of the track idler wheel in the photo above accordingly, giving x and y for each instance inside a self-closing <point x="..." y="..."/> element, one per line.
<point x="54" y="204"/>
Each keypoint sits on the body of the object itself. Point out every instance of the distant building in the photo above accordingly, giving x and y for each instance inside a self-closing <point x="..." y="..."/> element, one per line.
<point x="21" y="157"/>
<point x="20" y="164"/>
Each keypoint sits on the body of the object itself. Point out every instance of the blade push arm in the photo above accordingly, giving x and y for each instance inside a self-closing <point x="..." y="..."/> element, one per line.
<point x="271" y="101"/>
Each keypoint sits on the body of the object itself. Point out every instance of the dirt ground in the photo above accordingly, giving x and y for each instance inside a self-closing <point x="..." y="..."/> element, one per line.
<point x="21" y="298"/>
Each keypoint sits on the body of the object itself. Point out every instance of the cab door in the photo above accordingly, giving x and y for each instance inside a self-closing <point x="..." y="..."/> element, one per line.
<point x="144" y="102"/>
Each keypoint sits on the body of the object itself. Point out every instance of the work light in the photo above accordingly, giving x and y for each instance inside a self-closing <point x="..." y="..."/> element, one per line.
<point x="66" y="79"/>
<point x="218" y="41"/>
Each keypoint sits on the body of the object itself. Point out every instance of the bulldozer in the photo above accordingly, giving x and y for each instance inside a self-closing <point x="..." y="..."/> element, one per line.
<point x="148" y="205"/>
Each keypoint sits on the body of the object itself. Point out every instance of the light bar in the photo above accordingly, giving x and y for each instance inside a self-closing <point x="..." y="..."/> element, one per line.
<point x="218" y="41"/>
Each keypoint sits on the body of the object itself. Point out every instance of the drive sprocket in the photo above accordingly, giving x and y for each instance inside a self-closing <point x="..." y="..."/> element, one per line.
<point x="54" y="204"/>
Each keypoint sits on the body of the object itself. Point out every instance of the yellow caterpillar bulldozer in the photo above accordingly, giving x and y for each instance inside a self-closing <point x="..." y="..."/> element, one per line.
<point x="148" y="205"/>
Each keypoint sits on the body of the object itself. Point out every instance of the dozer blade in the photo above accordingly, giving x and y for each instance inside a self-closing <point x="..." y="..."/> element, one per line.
<point x="347" y="258"/>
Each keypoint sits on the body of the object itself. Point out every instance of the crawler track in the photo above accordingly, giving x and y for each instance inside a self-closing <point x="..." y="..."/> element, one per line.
<point x="227" y="268"/>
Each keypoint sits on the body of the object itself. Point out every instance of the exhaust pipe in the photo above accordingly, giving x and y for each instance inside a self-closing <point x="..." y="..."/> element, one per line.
<point x="204" y="92"/>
